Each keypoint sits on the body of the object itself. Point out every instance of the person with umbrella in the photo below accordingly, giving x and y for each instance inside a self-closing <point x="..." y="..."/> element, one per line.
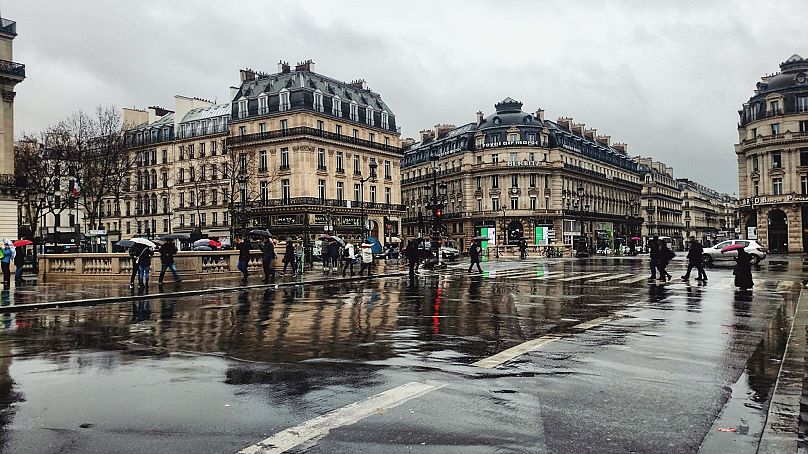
<point x="743" y="269"/>
<point x="167" y="252"/>
<point x="243" y="247"/>
<point x="19" y="259"/>
<point x="289" y="256"/>
<point x="333" y="254"/>
<point x="653" y="247"/>
<point x="665" y="255"/>
<point x="268" y="258"/>
<point x="144" y="266"/>
<point x="694" y="252"/>
<point x="413" y="255"/>
<point x="134" y="252"/>
<point x="5" y="263"/>
<point x="474" y="255"/>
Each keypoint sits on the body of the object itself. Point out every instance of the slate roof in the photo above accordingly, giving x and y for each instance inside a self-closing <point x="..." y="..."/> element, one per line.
<point x="202" y="113"/>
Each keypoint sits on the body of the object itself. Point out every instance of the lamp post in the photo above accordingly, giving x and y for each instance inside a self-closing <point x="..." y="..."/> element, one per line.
<point x="579" y="206"/>
<point x="362" y="181"/>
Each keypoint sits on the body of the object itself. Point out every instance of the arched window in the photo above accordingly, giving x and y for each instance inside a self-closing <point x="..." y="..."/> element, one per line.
<point x="154" y="204"/>
<point x="336" y="108"/>
<point x="153" y="179"/>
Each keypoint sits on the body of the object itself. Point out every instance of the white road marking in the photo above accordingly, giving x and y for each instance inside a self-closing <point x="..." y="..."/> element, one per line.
<point x="633" y="280"/>
<point x="548" y="275"/>
<point x="593" y="323"/>
<point x="349" y="414"/>
<point x="609" y="278"/>
<point x="585" y="276"/>
<point x="511" y="353"/>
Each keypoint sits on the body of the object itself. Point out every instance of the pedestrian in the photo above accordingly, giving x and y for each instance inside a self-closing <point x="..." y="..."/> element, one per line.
<point x="474" y="256"/>
<point x="665" y="256"/>
<point x="5" y="262"/>
<point x="299" y="253"/>
<point x="333" y="254"/>
<point x="289" y="256"/>
<point x="19" y="264"/>
<point x="694" y="252"/>
<point x="144" y="267"/>
<point x="743" y="270"/>
<point x="243" y="247"/>
<point x="653" y="248"/>
<point x="366" y="254"/>
<point x="348" y="258"/>
<point x="167" y="252"/>
<point x="413" y="254"/>
<point x="134" y="252"/>
<point x="268" y="259"/>
<point x="522" y="248"/>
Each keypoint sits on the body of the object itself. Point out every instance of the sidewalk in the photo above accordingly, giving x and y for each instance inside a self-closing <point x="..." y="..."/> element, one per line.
<point x="49" y="295"/>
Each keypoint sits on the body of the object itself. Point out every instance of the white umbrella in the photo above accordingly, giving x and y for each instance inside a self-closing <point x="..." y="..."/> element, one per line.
<point x="338" y="240"/>
<point x="202" y="242"/>
<point x="144" y="242"/>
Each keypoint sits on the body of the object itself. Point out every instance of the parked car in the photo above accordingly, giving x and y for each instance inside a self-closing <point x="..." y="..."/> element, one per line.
<point x="713" y="254"/>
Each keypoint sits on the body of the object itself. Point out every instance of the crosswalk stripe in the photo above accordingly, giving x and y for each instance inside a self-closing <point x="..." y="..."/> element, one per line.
<point x="511" y="353"/>
<point x="585" y="276"/>
<point x="633" y="280"/>
<point x="609" y="278"/>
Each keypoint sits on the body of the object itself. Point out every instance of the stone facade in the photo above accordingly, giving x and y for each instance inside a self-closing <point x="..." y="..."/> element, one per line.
<point x="661" y="201"/>
<point x="11" y="74"/>
<point x="514" y="174"/>
<point x="772" y="153"/>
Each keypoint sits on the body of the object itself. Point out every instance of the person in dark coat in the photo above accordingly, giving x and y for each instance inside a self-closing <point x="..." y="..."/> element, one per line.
<point x="167" y="252"/>
<point x="522" y="248"/>
<point x="333" y="255"/>
<point x="743" y="270"/>
<point x="243" y="247"/>
<point x="19" y="263"/>
<point x="665" y="256"/>
<point x="144" y="266"/>
<point x="413" y="254"/>
<point x="653" y="248"/>
<point x="134" y="252"/>
<point x="289" y="256"/>
<point x="268" y="259"/>
<point x="694" y="253"/>
<point x="474" y="255"/>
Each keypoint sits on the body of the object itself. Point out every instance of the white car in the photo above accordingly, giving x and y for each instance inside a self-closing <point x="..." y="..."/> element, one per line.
<point x="713" y="254"/>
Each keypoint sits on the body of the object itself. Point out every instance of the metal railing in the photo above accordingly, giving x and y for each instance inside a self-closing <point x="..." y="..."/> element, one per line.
<point x="10" y="67"/>
<point x="292" y="201"/>
<point x="306" y="131"/>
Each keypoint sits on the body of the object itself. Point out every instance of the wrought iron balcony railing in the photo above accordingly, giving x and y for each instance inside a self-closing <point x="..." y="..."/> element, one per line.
<point x="306" y="131"/>
<point x="11" y="68"/>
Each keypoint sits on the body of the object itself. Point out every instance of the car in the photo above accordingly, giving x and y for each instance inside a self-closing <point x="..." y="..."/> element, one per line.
<point x="446" y="252"/>
<point x="713" y="254"/>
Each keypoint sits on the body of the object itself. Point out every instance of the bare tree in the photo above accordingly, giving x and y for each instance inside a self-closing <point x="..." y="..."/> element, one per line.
<point x="243" y="168"/>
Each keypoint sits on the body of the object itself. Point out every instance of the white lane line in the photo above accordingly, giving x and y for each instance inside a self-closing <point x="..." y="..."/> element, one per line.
<point x="593" y="323"/>
<point x="349" y="414"/>
<point x="549" y="275"/>
<point x="511" y="353"/>
<point x="609" y="278"/>
<point x="585" y="276"/>
<point x="634" y="280"/>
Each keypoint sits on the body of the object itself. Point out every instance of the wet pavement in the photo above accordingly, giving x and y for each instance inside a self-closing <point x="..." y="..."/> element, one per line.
<point x="557" y="355"/>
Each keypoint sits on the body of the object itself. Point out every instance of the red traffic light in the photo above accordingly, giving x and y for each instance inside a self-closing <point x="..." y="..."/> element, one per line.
<point x="438" y="213"/>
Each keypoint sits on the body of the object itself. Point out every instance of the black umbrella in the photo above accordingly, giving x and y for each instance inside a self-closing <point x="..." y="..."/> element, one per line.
<point x="176" y="236"/>
<point x="260" y="232"/>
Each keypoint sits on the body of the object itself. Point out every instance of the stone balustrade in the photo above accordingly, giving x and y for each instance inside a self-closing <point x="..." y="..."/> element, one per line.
<point x="118" y="266"/>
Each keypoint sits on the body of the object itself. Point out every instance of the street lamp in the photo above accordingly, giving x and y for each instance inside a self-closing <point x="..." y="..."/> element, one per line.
<point x="579" y="205"/>
<point x="362" y="181"/>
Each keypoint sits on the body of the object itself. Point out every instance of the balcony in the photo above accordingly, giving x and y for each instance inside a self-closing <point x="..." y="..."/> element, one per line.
<point x="13" y="70"/>
<point x="296" y="201"/>
<point x="306" y="131"/>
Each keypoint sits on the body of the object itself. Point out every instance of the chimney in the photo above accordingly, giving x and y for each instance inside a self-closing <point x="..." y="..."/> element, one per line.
<point x="479" y="117"/>
<point x="359" y="84"/>
<point x="407" y="143"/>
<point x="540" y="115"/>
<point x="578" y="128"/>
<point x="441" y="129"/>
<point x="307" y="65"/>
<point x="605" y="140"/>
<point x="590" y="133"/>
<point x="427" y="135"/>
<point x="564" y="122"/>
<point x="621" y="147"/>
<point x="283" y="67"/>
<point x="247" y="75"/>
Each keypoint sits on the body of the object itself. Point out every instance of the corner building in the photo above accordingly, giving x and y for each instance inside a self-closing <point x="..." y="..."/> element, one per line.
<point x="514" y="174"/>
<point x="772" y="154"/>
<point x="305" y="142"/>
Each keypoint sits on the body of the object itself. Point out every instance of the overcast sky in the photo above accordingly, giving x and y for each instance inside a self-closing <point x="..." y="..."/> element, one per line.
<point x="665" y="77"/>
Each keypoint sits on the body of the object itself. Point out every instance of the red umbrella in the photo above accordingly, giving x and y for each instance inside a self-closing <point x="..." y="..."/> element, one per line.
<point x="22" y="243"/>
<point x="635" y="238"/>
<point x="732" y="247"/>
<point x="214" y="243"/>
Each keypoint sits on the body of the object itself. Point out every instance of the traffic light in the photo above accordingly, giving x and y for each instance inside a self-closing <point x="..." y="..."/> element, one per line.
<point x="439" y="212"/>
<point x="388" y="226"/>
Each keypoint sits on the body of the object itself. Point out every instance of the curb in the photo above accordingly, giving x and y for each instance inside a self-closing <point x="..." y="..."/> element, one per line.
<point x="121" y="299"/>
<point x="780" y="432"/>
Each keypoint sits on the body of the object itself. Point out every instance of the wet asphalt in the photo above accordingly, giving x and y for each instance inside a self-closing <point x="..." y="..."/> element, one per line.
<point x="628" y="365"/>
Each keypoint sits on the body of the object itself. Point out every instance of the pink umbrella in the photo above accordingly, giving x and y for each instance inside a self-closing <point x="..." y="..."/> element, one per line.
<point x="19" y="243"/>
<point x="732" y="247"/>
<point x="635" y="238"/>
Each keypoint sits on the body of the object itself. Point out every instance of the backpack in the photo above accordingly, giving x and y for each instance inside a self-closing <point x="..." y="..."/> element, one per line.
<point x="2" y="254"/>
<point x="345" y="253"/>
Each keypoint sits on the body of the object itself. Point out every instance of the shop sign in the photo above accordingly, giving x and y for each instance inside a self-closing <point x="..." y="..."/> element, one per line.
<point x="287" y="220"/>
<point x="524" y="163"/>
<point x="321" y="219"/>
<point x="516" y="143"/>
<point x="350" y="221"/>
<point x="770" y="200"/>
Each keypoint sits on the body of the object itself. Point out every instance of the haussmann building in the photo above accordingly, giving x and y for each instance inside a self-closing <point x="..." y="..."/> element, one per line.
<point x="772" y="153"/>
<point x="514" y="174"/>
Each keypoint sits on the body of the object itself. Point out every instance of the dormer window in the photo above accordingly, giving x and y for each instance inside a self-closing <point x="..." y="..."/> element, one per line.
<point x="336" y="109"/>
<point x="284" y="102"/>
<point x="242" y="108"/>
<point x="354" y="111"/>
<point x="385" y="120"/>
<point x="369" y="116"/>
<point x="318" y="101"/>
<point x="263" y="105"/>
